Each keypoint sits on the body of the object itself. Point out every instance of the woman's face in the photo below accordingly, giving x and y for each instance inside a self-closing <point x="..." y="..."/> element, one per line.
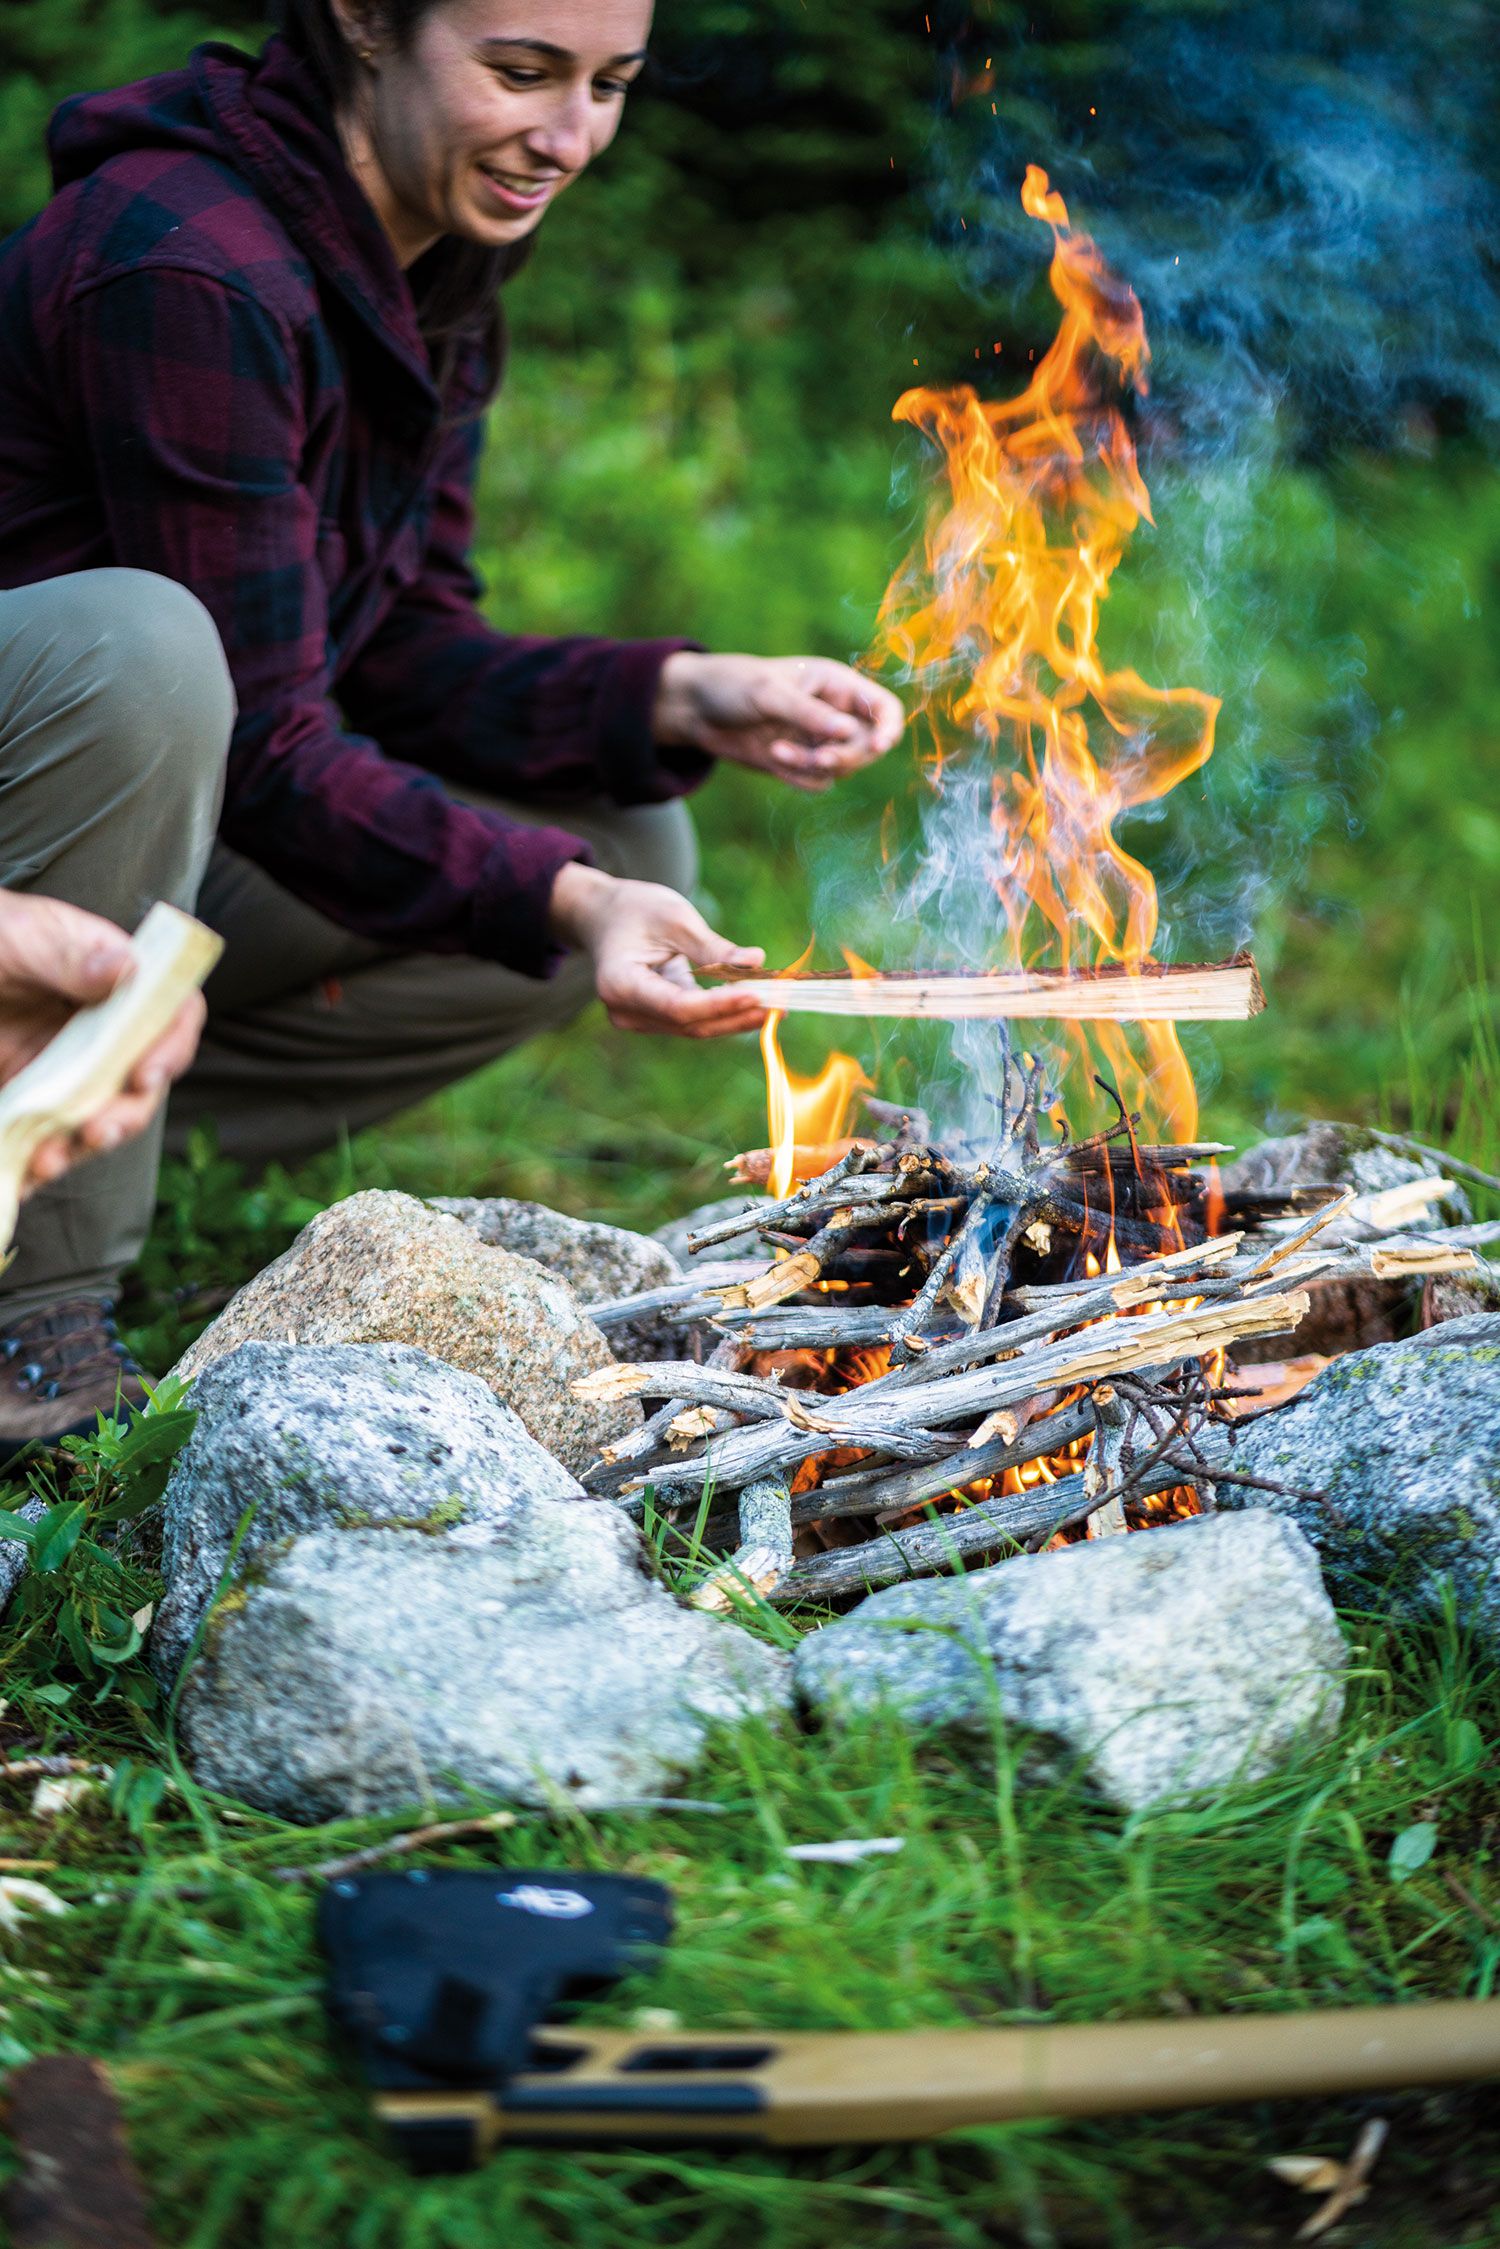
<point x="488" y="114"/>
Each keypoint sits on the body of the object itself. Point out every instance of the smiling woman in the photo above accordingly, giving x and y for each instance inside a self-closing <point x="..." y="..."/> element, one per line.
<point x="249" y="348"/>
<point x="467" y="120"/>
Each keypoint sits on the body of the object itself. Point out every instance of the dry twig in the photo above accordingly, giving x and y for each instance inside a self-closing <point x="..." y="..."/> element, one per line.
<point x="396" y="1846"/>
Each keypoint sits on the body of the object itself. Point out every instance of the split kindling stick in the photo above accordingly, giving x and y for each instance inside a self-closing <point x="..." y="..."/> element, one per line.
<point x="92" y="1056"/>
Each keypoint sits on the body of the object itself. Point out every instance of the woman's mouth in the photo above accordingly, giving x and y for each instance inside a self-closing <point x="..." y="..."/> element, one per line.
<point x="514" y="192"/>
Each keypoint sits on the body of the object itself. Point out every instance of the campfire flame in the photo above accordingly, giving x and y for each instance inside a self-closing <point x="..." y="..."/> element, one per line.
<point x="805" y="1112"/>
<point x="994" y="620"/>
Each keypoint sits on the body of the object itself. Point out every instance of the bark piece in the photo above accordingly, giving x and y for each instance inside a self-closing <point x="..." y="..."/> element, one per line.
<point x="77" y="2187"/>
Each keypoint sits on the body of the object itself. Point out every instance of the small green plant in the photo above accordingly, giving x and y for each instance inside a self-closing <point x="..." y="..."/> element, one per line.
<point x="76" y="1626"/>
<point x="217" y="1226"/>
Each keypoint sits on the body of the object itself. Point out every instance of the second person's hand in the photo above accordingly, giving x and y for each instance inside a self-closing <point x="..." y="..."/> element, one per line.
<point x="55" y="958"/>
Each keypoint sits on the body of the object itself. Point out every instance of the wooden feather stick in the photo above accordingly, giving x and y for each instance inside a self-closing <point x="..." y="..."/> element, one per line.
<point x="1156" y="992"/>
<point x="93" y="1054"/>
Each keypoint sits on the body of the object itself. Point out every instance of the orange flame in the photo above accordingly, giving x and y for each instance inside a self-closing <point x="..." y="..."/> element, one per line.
<point x="995" y="618"/>
<point x="802" y="1111"/>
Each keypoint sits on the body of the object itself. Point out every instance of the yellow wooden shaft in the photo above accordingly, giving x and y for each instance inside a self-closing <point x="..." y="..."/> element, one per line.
<point x="825" y="2088"/>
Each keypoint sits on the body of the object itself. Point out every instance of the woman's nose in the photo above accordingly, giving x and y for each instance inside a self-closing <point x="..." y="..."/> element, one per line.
<point x="565" y="137"/>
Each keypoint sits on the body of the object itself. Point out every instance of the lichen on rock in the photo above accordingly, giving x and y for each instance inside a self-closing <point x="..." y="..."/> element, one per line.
<point x="422" y="1602"/>
<point x="1400" y="1441"/>
<point x="1180" y="1658"/>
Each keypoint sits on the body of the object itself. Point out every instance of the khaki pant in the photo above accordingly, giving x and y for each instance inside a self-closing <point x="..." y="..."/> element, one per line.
<point x="115" y="714"/>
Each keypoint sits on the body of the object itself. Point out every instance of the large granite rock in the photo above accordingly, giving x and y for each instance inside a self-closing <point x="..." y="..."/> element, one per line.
<point x="383" y="1268"/>
<point x="1338" y="1155"/>
<point x="422" y="1603"/>
<point x="536" y="1660"/>
<point x="348" y="1434"/>
<point x="1186" y="1657"/>
<point x="1401" y="1440"/>
<point x="597" y="1262"/>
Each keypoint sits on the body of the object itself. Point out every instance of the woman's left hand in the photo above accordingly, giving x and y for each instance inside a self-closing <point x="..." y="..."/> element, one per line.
<point x="804" y="718"/>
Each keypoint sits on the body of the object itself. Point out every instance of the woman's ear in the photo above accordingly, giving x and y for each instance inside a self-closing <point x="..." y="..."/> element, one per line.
<point x="359" y="29"/>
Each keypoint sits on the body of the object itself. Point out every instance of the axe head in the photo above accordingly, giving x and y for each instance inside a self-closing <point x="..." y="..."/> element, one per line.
<point x="442" y="1979"/>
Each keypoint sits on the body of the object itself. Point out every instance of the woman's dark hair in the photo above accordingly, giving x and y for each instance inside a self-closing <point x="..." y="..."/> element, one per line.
<point x="456" y="284"/>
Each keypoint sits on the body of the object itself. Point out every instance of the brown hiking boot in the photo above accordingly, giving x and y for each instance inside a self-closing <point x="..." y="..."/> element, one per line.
<point x="60" y="1368"/>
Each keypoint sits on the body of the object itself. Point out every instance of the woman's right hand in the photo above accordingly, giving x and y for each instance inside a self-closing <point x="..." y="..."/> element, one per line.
<point x="645" y="941"/>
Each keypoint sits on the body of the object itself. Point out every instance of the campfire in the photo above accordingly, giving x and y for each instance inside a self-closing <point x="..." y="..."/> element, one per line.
<point x="999" y="1336"/>
<point x="1026" y="1348"/>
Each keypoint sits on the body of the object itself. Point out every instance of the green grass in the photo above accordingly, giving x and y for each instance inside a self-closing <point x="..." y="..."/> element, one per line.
<point x="190" y="1967"/>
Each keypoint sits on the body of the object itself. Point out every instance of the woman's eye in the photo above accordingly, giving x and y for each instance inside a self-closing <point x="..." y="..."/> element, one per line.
<point x="613" y="86"/>
<point x="514" y="75"/>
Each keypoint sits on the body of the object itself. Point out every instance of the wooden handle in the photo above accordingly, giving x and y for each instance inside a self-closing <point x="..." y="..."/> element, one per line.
<point x="811" y="2089"/>
<point x="93" y="1054"/>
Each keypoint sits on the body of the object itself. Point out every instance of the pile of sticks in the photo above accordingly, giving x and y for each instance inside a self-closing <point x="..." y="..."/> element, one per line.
<point x="984" y="1368"/>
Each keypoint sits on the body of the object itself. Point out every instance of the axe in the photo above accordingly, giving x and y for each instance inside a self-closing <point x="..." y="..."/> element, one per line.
<point x="447" y="1984"/>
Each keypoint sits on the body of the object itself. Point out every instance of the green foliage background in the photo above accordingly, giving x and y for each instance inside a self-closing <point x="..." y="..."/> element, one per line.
<point x="694" y="437"/>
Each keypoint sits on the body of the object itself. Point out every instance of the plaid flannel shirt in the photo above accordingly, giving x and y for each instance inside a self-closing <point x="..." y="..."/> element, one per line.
<point x="210" y="367"/>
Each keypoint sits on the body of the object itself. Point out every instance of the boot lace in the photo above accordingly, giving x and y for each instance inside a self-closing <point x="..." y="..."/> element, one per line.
<point x="67" y="1348"/>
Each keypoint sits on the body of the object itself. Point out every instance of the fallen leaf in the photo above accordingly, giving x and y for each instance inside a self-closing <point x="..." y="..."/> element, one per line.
<point x="50" y="1797"/>
<point x="1353" y="2184"/>
<point x="1412" y="1849"/>
<point x="1313" y="2174"/>
<point x="22" y="1901"/>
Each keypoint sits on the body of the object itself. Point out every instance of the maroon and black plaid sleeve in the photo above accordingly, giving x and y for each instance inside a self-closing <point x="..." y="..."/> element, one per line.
<point x="195" y="407"/>
<point x="511" y="713"/>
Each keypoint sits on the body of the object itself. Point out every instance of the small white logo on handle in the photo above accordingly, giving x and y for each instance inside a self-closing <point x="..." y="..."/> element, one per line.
<point x="553" y="1905"/>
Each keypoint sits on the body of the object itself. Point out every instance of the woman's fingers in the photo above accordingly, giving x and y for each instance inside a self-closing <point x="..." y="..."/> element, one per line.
<point x="138" y="1099"/>
<point x="880" y="713"/>
<point x="132" y="1109"/>
<point x="862" y="721"/>
<point x="118" y="1121"/>
<point x="833" y="723"/>
<point x="644" y="958"/>
<point x="641" y="997"/>
<point x="704" y="947"/>
<point x="807" y="719"/>
<point x="48" y="1162"/>
<point x="800" y="712"/>
<point x="815" y="769"/>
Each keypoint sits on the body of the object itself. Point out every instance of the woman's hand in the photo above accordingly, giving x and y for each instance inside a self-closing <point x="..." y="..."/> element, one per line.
<point x="645" y="942"/>
<point x="54" y="959"/>
<point x="804" y="718"/>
